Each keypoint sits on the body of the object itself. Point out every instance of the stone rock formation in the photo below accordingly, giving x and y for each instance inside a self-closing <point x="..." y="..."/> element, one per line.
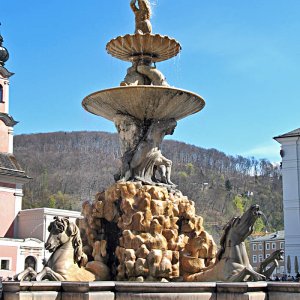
<point x="146" y="233"/>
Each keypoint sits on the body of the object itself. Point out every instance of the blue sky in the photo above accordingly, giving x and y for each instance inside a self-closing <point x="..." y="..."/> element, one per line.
<point x="243" y="57"/>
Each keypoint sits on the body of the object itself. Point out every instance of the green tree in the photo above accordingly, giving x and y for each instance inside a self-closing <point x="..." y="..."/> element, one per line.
<point x="239" y="205"/>
<point x="63" y="201"/>
<point x="228" y="185"/>
<point x="183" y="174"/>
<point x="52" y="201"/>
<point x="259" y="225"/>
<point x="190" y="169"/>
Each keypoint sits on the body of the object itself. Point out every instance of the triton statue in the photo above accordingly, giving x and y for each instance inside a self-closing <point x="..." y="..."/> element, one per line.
<point x="142" y="16"/>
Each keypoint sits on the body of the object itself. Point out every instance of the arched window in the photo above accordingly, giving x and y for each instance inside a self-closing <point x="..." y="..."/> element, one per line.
<point x="30" y="261"/>
<point x="1" y="94"/>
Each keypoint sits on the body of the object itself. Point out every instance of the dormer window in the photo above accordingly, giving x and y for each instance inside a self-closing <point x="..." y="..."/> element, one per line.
<point x="1" y="94"/>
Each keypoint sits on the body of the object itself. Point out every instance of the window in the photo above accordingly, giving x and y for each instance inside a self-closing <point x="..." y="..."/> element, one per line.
<point x="267" y="246"/>
<point x="254" y="247"/>
<point x="30" y="261"/>
<point x="281" y="245"/>
<point x="5" y="264"/>
<point x="254" y="259"/>
<point x="260" y="258"/>
<point x="267" y="255"/>
<point x="1" y="94"/>
<point x="273" y="246"/>
<point x="260" y="247"/>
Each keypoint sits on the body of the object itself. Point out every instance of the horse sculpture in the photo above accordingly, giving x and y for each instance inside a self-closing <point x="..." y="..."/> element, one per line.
<point x="68" y="261"/>
<point x="232" y="264"/>
<point x="271" y="262"/>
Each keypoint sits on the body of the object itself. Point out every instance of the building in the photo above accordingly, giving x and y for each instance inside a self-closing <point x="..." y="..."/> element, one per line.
<point x="290" y="153"/>
<point x="262" y="247"/>
<point x="22" y="232"/>
<point x="12" y="177"/>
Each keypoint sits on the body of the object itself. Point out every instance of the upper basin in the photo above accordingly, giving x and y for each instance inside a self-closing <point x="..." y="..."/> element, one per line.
<point x="155" y="47"/>
<point x="143" y="102"/>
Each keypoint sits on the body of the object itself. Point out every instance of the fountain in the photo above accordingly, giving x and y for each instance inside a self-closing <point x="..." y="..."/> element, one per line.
<point x="143" y="220"/>
<point x="142" y="232"/>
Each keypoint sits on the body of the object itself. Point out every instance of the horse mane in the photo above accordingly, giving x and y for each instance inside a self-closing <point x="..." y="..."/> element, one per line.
<point x="226" y="229"/>
<point x="79" y="256"/>
<point x="71" y="229"/>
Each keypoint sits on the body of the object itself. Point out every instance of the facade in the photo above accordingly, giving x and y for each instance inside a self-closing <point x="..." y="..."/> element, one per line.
<point x="33" y="223"/>
<point x="290" y="153"/>
<point x="263" y="246"/>
<point x="17" y="254"/>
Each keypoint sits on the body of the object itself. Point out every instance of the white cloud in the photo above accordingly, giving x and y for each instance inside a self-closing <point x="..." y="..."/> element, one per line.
<point x="271" y="152"/>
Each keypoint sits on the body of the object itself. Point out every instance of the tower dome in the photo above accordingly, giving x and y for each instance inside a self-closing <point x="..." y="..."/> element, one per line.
<point x="4" y="55"/>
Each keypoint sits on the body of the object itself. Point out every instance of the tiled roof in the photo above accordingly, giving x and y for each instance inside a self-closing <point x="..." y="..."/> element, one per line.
<point x="278" y="235"/>
<point x="292" y="133"/>
<point x="9" y="166"/>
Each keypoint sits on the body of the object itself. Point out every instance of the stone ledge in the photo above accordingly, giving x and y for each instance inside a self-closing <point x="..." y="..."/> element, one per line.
<point x="85" y="287"/>
<point x="287" y="287"/>
<point x="168" y="287"/>
<point x="14" y="287"/>
<point x="150" y="290"/>
<point x="241" y="287"/>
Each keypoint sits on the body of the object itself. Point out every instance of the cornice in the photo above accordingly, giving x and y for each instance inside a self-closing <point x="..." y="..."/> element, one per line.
<point x="8" y="120"/>
<point x="5" y="73"/>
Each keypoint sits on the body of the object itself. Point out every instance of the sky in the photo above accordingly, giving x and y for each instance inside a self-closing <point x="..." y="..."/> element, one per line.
<point x="242" y="57"/>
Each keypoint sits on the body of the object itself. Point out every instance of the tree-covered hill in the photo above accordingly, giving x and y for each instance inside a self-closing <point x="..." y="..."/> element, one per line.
<point x="71" y="167"/>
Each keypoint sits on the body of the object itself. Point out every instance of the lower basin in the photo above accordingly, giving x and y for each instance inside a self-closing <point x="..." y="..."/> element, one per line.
<point x="143" y="102"/>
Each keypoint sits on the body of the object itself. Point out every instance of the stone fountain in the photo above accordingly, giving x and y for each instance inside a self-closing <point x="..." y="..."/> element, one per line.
<point x="148" y="228"/>
<point x="142" y="229"/>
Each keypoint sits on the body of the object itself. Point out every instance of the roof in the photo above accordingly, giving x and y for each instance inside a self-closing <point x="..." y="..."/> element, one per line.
<point x="293" y="133"/>
<point x="9" y="166"/>
<point x="7" y="119"/>
<point x="274" y="236"/>
<point x="50" y="211"/>
<point x="5" y="73"/>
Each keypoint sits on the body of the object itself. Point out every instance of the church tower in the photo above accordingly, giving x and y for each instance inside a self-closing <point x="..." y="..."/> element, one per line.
<point x="12" y="177"/>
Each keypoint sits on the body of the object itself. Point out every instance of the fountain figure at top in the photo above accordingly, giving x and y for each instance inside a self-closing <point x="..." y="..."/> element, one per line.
<point x="142" y="16"/>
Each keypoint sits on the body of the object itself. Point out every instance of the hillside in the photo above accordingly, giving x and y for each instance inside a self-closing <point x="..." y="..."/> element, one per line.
<point x="68" y="168"/>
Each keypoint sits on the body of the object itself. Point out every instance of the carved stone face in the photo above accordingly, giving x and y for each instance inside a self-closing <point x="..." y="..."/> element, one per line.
<point x="58" y="234"/>
<point x="243" y="226"/>
<point x="56" y="239"/>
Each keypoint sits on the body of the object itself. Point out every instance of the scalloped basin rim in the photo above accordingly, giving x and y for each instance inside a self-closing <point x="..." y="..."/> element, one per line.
<point x="157" y="47"/>
<point x="143" y="102"/>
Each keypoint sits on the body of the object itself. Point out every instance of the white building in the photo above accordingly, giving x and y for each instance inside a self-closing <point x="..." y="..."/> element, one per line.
<point x="290" y="153"/>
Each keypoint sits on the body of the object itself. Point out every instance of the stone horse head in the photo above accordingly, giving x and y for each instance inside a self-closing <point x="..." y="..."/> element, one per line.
<point x="238" y="229"/>
<point x="61" y="232"/>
